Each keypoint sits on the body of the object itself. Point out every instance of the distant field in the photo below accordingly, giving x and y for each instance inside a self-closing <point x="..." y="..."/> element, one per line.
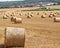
<point x="44" y="8"/>
<point x="54" y="7"/>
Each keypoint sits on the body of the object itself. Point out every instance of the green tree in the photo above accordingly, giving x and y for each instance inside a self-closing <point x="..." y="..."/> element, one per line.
<point x="58" y="1"/>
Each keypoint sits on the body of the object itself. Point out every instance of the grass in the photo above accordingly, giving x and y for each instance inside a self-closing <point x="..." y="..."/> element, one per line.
<point x="54" y="7"/>
<point x="44" y="8"/>
<point x="36" y="10"/>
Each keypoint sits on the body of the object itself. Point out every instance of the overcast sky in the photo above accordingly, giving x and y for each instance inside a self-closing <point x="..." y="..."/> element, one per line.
<point x="11" y="0"/>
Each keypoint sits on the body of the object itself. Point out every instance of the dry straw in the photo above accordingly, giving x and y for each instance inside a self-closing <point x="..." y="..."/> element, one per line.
<point x="14" y="36"/>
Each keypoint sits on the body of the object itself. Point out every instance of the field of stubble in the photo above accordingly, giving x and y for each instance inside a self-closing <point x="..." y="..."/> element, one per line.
<point x="40" y="32"/>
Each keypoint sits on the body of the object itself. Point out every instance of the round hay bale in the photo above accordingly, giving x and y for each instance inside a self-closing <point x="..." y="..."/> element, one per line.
<point x="14" y="37"/>
<point x="13" y="18"/>
<point x="5" y="17"/>
<point x="51" y="13"/>
<point x="18" y="20"/>
<point x="50" y="16"/>
<point x="20" y="14"/>
<point x="56" y="19"/>
<point x="45" y="13"/>
<point x="54" y="15"/>
<point x="38" y="13"/>
<point x="58" y="13"/>
<point x="28" y="13"/>
<point x="31" y="15"/>
<point x="43" y="16"/>
<point x="11" y="15"/>
<point x="28" y="16"/>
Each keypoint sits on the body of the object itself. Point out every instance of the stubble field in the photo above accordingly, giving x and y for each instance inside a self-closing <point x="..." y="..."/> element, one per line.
<point x="40" y="32"/>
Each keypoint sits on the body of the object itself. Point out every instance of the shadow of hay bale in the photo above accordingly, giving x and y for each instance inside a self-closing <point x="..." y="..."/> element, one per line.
<point x="14" y="47"/>
<point x="1" y="46"/>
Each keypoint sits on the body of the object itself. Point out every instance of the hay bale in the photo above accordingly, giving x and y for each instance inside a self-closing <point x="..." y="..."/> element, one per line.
<point x="11" y="15"/>
<point x="45" y="13"/>
<point x="43" y="16"/>
<point x="13" y="18"/>
<point x="51" y="13"/>
<point x="50" y="16"/>
<point x="20" y="14"/>
<point x="28" y="16"/>
<point x="28" y="13"/>
<point x="54" y="15"/>
<point x="56" y="19"/>
<point x="14" y="37"/>
<point x="38" y="13"/>
<point x="5" y="17"/>
<point x="58" y="13"/>
<point x="31" y="15"/>
<point x="18" y="20"/>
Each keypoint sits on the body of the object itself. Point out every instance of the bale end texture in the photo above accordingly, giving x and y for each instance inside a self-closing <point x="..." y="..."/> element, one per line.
<point x="15" y="37"/>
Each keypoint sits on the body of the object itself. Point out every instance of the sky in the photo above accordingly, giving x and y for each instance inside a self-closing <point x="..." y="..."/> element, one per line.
<point x="11" y="0"/>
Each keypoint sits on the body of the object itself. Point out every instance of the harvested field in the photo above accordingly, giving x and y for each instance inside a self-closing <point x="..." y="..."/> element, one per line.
<point x="54" y="7"/>
<point x="40" y="32"/>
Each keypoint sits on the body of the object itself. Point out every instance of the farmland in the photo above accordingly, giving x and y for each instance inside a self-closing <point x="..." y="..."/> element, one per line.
<point x="57" y="7"/>
<point x="40" y="32"/>
<point x="45" y="8"/>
